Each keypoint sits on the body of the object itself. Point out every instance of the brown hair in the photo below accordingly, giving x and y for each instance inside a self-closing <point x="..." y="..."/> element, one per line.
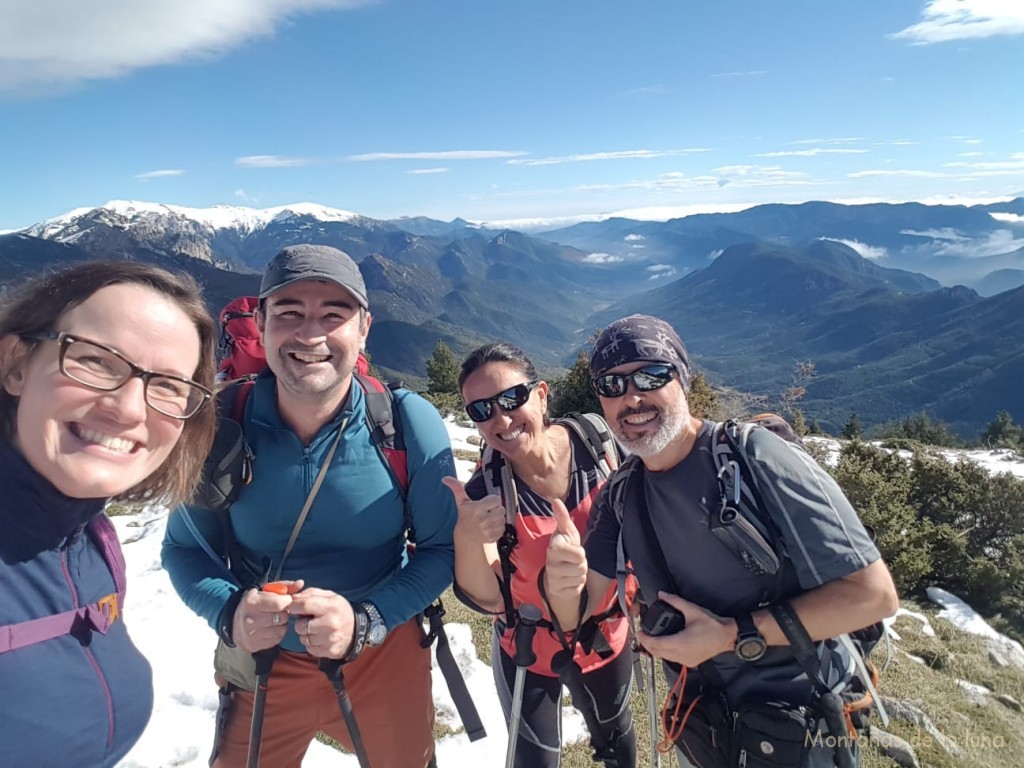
<point x="36" y="305"/>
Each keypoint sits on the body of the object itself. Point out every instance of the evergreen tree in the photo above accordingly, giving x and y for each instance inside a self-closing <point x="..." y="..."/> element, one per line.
<point x="702" y="398"/>
<point x="442" y="371"/>
<point x="1001" y="432"/>
<point x="573" y="392"/>
<point x="852" y="430"/>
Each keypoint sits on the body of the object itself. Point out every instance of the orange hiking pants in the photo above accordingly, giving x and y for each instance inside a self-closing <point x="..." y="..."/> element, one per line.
<point x="389" y="687"/>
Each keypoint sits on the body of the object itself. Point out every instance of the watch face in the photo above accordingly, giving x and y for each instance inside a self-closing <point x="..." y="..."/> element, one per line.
<point x="751" y="648"/>
<point x="376" y="634"/>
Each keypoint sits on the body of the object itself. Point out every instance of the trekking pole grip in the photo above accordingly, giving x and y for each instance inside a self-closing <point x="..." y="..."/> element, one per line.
<point x="529" y="615"/>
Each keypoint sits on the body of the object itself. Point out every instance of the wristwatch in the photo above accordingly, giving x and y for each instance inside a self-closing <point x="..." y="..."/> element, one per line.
<point x="750" y="646"/>
<point x="378" y="630"/>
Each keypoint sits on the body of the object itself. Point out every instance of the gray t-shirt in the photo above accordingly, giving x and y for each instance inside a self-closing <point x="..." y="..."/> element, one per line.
<point x="820" y="532"/>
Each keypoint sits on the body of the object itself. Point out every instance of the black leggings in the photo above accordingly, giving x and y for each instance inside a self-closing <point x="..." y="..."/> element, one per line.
<point x="540" y="730"/>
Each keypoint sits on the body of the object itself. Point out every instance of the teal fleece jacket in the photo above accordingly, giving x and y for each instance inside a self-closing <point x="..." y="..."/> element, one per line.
<point x="352" y="541"/>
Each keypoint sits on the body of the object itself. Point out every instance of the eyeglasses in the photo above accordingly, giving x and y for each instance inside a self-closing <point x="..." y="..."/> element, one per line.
<point x="99" y="367"/>
<point x="646" y="379"/>
<point x="509" y="400"/>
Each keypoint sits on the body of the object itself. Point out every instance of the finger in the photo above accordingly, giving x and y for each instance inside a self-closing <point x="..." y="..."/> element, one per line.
<point x="685" y="607"/>
<point x="566" y="526"/>
<point x="457" y="487"/>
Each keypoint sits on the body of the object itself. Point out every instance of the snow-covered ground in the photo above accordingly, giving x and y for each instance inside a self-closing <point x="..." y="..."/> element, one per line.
<point x="180" y="647"/>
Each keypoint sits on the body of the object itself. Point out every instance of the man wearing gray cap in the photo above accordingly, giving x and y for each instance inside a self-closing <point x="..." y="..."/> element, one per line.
<point x="323" y="517"/>
<point x="714" y="624"/>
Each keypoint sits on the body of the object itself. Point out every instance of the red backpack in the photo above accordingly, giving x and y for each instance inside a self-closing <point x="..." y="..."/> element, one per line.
<point x="241" y="348"/>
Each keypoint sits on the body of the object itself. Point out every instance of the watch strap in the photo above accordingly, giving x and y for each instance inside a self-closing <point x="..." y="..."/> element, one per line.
<point x="226" y="622"/>
<point x="360" y="631"/>
<point x="745" y="626"/>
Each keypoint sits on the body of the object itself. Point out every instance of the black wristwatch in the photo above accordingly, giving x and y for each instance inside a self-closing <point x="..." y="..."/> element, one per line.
<point x="360" y="630"/>
<point x="750" y="646"/>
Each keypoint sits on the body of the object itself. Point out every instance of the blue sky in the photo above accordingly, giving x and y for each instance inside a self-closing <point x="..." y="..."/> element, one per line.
<point x="501" y="111"/>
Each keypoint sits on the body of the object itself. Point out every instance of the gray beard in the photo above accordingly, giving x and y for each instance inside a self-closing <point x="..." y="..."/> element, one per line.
<point x="673" y="423"/>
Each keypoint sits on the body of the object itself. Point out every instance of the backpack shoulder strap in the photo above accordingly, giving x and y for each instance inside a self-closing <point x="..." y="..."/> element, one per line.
<point x="593" y="430"/>
<point x="384" y="419"/>
<point x="97" y="616"/>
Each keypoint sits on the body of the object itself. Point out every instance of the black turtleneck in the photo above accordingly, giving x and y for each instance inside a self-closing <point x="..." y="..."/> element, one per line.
<point x="34" y="515"/>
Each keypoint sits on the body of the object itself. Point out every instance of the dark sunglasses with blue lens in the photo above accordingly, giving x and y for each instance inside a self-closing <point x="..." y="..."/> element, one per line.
<point x="509" y="400"/>
<point x="646" y="379"/>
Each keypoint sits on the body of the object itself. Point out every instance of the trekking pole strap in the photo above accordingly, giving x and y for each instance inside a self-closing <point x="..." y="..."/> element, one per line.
<point x="452" y="674"/>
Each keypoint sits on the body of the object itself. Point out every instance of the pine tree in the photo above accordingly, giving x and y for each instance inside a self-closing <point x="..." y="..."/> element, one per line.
<point x="852" y="430"/>
<point x="1001" y="432"/>
<point x="442" y="371"/>
<point x="573" y="392"/>
<point x="702" y="398"/>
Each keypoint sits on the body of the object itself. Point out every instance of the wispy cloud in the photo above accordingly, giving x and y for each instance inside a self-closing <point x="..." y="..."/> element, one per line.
<point x="872" y="252"/>
<point x="63" y="41"/>
<point x="845" y="140"/>
<point x="159" y="174"/>
<point x="903" y="143"/>
<point x="602" y="258"/>
<point x="425" y="171"/>
<point x="275" y="161"/>
<point x="951" y="242"/>
<point x="625" y="154"/>
<point x="909" y="173"/>
<point x="661" y="271"/>
<point x="455" y="154"/>
<point x="970" y="154"/>
<point x="946" y="20"/>
<point x="744" y="73"/>
<point x="1013" y="166"/>
<point x="813" y="152"/>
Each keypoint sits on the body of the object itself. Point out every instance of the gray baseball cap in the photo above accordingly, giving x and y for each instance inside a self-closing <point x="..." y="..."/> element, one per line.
<point x="314" y="262"/>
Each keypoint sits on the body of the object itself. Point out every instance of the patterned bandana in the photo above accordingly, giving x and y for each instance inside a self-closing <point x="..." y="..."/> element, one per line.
<point x="640" y="338"/>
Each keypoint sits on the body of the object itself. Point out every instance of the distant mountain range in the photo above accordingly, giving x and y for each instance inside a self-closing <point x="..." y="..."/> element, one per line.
<point x="751" y="292"/>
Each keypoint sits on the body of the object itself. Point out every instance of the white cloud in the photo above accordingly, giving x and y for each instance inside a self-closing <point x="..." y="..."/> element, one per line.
<point x="970" y="154"/>
<point x="916" y="174"/>
<point x="456" y="154"/>
<point x="631" y="237"/>
<point x="661" y="271"/>
<point x="1008" y="218"/>
<point x="1013" y="166"/>
<point x="945" y="20"/>
<point x="159" y="174"/>
<point x="602" y="258"/>
<point x="626" y="154"/>
<point x="423" y="171"/>
<point x="813" y="152"/>
<point x="953" y="243"/>
<point x="867" y="251"/>
<point x="275" y="161"/>
<point x="715" y="254"/>
<point x="63" y="41"/>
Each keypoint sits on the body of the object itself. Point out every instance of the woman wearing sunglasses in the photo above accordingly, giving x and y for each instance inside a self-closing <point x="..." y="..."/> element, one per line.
<point x="541" y="461"/>
<point x="106" y="371"/>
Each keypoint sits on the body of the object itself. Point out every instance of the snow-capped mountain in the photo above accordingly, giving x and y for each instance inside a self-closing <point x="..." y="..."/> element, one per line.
<point x="223" y="234"/>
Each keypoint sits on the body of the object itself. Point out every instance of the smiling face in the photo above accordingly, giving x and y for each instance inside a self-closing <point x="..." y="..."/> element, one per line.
<point x="312" y="333"/>
<point x="646" y="423"/>
<point x="511" y="432"/>
<point x="91" y="444"/>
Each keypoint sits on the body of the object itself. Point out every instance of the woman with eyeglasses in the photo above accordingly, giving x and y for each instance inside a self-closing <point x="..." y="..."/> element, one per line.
<point x="529" y="463"/>
<point x="106" y="370"/>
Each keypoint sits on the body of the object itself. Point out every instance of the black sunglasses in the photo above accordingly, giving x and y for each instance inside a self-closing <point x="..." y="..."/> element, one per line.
<point x="646" y="379"/>
<point x="509" y="400"/>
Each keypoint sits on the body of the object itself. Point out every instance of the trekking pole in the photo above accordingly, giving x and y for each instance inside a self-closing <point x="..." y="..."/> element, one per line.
<point x="332" y="668"/>
<point x="264" y="661"/>
<point x="529" y="615"/>
<point x="604" y="746"/>
<point x="651" y="716"/>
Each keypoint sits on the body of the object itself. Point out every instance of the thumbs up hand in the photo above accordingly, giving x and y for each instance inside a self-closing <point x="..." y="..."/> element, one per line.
<point x="483" y="520"/>
<point x="566" y="567"/>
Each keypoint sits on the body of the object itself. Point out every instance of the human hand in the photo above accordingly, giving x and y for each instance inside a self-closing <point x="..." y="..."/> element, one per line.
<point x="705" y="636"/>
<point x="483" y="520"/>
<point x="566" y="567"/>
<point x="261" y="618"/>
<point x="324" y="622"/>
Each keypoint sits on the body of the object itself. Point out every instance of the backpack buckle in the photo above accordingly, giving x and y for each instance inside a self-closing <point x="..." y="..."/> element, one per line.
<point x="110" y="608"/>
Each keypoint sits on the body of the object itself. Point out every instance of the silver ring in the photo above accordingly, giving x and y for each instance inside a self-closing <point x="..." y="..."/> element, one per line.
<point x="276" y="619"/>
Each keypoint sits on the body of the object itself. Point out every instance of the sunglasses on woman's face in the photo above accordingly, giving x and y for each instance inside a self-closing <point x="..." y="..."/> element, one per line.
<point x="509" y="400"/>
<point x="646" y="379"/>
